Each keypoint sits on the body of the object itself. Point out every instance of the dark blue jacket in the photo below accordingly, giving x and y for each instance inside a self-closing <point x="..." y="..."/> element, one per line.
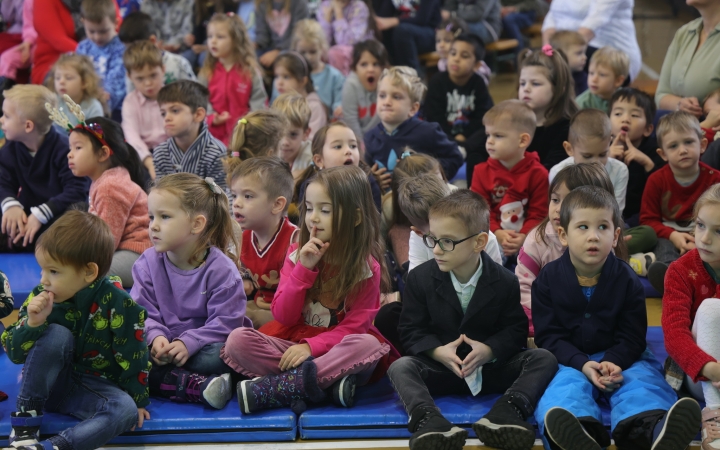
<point x="614" y="321"/>
<point x="423" y="137"/>
<point x="424" y="13"/>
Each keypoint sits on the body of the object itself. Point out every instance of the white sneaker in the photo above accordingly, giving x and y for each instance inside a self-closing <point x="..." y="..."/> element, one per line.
<point x="218" y="392"/>
<point x="710" y="429"/>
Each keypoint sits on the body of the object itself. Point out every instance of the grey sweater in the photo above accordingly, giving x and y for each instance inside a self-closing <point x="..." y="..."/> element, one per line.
<point x="266" y="39"/>
<point x="472" y="11"/>
<point x="358" y="106"/>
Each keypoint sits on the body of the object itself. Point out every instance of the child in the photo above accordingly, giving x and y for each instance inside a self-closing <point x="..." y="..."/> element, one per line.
<point x="690" y="315"/>
<point x="449" y="29"/>
<point x="512" y="181"/>
<point x="399" y="94"/>
<point x="574" y="47"/>
<point x="482" y="17"/>
<point x="276" y="20"/>
<point x="464" y="330"/>
<point x="190" y="147"/>
<point x="546" y="86"/>
<point x="292" y="74"/>
<point x="74" y="75"/>
<point x="191" y="287"/>
<point x="257" y="134"/>
<point x="142" y="122"/>
<point x="328" y="294"/>
<point x="81" y="335"/>
<point x="589" y="311"/>
<point x="18" y="57"/>
<point x="711" y="109"/>
<point x="345" y="23"/>
<point x="36" y="184"/>
<point x="173" y="20"/>
<point x="359" y="94"/>
<point x="231" y="74"/>
<point x="609" y="68"/>
<point x="294" y="146"/>
<point x="589" y="142"/>
<point x="105" y="49"/>
<point x="263" y="188"/>
<point x="202" y="14"/>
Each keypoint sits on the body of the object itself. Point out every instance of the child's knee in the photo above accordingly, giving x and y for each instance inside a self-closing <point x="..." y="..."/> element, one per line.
<point x="239" y="340"/>
<point x="400" y="367"/>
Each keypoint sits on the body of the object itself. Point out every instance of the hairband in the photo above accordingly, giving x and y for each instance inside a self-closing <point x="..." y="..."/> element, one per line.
<point x="302" y="60"/>
<point x="213" y="186"/>
<point x="230" y="14"/>
<point x="61" y="119"/>
<point x="243" y="121"/>
<point x="235" y="154"/>
<point x="405" y="154"/>
<point x="547" y="49"/>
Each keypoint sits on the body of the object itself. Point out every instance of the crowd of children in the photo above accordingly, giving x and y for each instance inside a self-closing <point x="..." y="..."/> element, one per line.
<point x="226" y="198"/>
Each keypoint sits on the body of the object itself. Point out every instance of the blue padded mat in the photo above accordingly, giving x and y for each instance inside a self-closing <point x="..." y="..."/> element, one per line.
<point x="23" y="272"/>
<point x="169" y="423"/>
<point x="650" y="292"/>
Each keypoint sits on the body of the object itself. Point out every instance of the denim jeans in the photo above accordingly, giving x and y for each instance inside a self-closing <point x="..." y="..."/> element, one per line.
<point x="206" y="361"/>
<point x="49" y="383"/>
<point x="514" y="22"/>
<point x="406" y="41"/>
<point x="417" y="378"/>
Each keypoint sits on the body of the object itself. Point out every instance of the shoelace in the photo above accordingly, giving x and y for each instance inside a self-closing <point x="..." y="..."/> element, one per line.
<point x="711" y="426"/>
<point x="193" y="387"/>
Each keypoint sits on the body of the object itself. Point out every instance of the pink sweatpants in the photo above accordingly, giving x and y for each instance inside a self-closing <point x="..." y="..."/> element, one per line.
<point x="340" y="57"/>
<point x="255" y="354"/>
<point x="10" y="62"/>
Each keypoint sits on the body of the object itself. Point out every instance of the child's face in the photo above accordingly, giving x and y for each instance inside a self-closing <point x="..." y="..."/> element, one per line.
<point x="292" y="142"/>
<point x="443" y="41"/>
<point x="461" y="62"/>
<point x="100" y="33"/>
<point x="707" y="235"/>
<point x="252" y="208"/>
<point x="712" y="103"/>
<point x="535" y="88"/>
<point x="82" y="160"/>
<point x="68" y="81"/>
<point x="590" y="238"/>
<point x="14" y="126"/>
<point x="393" y="103"/>
<point x="148" y="80"/>
<point x="589" y="150"/>
<point x="179" y="118"/>
<point x="464" y="257"/>
<point x="286" y="82"/>
<point x="602" y="81"/>
<point x="627" y="117"/>
<point x="170" y="225"/>
<point x="503" y="141"/>
<point x="62" y="280"/>
<point x="311" y="51"/>
<point x="682" y="149"/>
<point x="340" y="149"/>
<point x="218" y="40"/>
<point x="319" y="211"/>
<point x="556" y="199"/>
<point x="577" y="57"/>
<point x="368" y="70"/>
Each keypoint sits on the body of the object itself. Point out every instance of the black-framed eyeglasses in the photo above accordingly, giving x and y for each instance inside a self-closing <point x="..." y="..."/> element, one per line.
<point x="446" y="244"/>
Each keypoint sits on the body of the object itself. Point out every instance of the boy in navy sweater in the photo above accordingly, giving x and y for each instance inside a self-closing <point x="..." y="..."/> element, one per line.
<point x="589" y="311"/>
<point x="36" y="184"/>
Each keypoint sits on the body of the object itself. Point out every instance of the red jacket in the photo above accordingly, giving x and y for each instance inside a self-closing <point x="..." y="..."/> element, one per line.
<point x="664" y="200"/>
<point x="687" y="285"/>
<point x="56" y="35"/>
<point x="517" y="197"/>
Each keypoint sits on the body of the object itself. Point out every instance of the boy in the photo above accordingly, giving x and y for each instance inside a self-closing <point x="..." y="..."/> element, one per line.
<point x="589" y="142"/>
<point x="609" y="68"/>
<point x="512" y="181"/>
<point x="36" y="184"/>
<point x="671" y="192"/>
<point x="399" y="94"/>
<point x="458" y="99"/>
<point x="81" y="336"/>
<point x="294" y="147"/>
<point x="143" y="125"/>
<point x="464" y="327"/>
<point x="574" y="45"/>
<point x="263" y="188"/>
<point x="190" y="147"/>
<point x="103" y="46"/>
<point x="711" y="109"/>
<point x="589" y="311"/>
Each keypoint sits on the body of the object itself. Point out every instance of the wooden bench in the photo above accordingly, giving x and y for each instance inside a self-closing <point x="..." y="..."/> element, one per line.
<point x="533" y="30"/>
<point x="647" y="86"/>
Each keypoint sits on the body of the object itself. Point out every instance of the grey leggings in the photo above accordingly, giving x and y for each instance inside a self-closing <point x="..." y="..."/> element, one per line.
<point x="122" y="264"/>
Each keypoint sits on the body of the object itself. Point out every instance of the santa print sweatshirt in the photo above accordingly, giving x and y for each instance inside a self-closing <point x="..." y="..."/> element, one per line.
<point x="526" y="181"/>
<point x="665" y="200"/>
<point x="687" y="285"/>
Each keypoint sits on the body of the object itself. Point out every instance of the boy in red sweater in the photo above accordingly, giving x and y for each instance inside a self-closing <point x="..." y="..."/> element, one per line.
<point x="671" y="192"/>
<point x="513" y="182"/>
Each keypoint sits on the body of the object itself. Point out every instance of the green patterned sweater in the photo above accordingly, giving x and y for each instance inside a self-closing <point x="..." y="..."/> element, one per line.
<point x="109" y="331"/>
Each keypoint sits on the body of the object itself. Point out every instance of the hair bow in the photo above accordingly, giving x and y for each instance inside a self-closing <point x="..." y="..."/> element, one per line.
<point x="547" y="49"/>
<point x="405" y="154"/>
<point x="61" y="119"/>
<point x="213" y="186"/>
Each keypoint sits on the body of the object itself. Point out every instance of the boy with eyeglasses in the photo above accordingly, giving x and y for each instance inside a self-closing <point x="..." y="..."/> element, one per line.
<point x="465" y="330"/>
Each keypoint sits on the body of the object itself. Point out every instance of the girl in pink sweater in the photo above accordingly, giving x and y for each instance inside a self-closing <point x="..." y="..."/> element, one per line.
<point x="322" y="342"/>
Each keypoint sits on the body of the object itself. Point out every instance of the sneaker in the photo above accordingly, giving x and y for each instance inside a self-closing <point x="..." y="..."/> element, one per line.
<point x="656" y="276"/>
<point x="343" y="391"/>
<point x="640" y="262"/>
<point x="432" y="431"/>
<point x="504" y="427"/>
<point x="43" y="445"/>
<point x="681" y="425"/>
<point x="217" y="391"/>
<point x="566" y="431"/>
<point x="710" y="429"/>
<point x="25" y="428"/>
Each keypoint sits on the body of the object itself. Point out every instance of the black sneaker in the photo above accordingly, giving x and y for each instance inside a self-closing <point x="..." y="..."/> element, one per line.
<point x="433" y="432"/>
<point x="566" y="431"/>
<point x="682" y="424"/>
<point x="503" y="427"/>
<point x="25" y="428"/>
<point x="656" y="276"/>
<point x="343" y="391"/>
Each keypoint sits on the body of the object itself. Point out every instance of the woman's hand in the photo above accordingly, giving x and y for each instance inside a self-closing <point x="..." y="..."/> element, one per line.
<point x="690" y="105"/>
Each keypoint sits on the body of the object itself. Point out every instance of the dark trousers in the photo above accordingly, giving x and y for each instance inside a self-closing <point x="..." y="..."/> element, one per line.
<point x="406" y="41"/>
<point x="514" y="22"/>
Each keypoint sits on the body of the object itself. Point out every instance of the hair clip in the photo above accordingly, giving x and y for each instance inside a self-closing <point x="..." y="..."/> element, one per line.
<point x="61" y="119"/>
<point x="547" y="49"/>
<point x="457" y="32"/>
<point x="405" y="154"/>
<point x="213" y="186"/>
<point x="230" y="14"/>
<point x="449" y="27"/>
<point x="243" y="121"/>
<point x="235" y="154"/>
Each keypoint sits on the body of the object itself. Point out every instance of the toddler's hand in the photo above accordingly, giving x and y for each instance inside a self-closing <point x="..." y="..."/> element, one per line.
<point x="313" y="251"/>
<point x="31" y="229"/>
<point x="143" y="415"/>
<point x="591" y="370"/>
<point x="294" y="356"/>
<point x="338" y="113"/>
<point x="268" y="58"/>
<point x="189" y="39"/>
<point x="40" y="308"/>
<point x="684" y="242"/>
<point x="177" y="353"/>
<point x="446" y="354"/>
<point x="611" y="375"/>
<point x="634" y="154"/>
<point x="221" y="118"/>
<point x="248" y="287"/>
<point x="618" y="145"/>
<point x="382" y="176"/>
<point x="712" y="120"/>
<point x="479" y="355"/>
<point x="157" y="350"/>
<point x="13" y="222"/>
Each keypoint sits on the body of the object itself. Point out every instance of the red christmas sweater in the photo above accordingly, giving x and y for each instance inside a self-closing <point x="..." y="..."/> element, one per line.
<point x="687" y="285"/>
<point x="665" y="200"/>
<point x="517" y="197"/>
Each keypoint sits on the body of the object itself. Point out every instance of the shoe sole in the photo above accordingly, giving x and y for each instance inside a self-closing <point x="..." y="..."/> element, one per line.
<point x="242" y="397"/>
<point x="567" y="432"/>
<point x="218" y="391"/>
<point x="343" y="398"/>
<point x="656" y="276"/>
<point x="681" y="426"/>
<point x="507" y="437"/>
<point x="449" y="440"/>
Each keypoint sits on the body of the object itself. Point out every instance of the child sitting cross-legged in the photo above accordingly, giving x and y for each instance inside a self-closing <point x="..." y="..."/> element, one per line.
<point x="589" y="311"/>
<point x="82" y="340"/>
<point x="465" y="330"/>
<point x="609" y="68"/>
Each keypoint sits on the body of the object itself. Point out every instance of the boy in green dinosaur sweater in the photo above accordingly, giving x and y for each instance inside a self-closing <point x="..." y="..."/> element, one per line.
<point x="82" y="339"/>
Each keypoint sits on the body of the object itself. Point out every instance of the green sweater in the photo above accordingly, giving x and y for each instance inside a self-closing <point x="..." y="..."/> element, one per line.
<point x="588" y="100"/>
<point x="109" y="331"/>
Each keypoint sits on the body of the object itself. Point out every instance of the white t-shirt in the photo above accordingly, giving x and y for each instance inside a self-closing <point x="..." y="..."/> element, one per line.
<point x="616" y="169"/>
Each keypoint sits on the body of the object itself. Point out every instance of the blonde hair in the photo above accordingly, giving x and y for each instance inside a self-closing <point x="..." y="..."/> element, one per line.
<point x="83" y="65"/>
<point x="678" y="121"/>
<point x="516" y="113"/>
<point x="295" y="108"/>
<point x="140" y="54"/>
<point x="612" y="58"/>
<point x="29" y="101"/>
<point x="415" y="196"/>
<point x="711" y="197"/>
<point x="311" y="31"/>
<point x="407" y="78"/>
<point x="589" y="124"/>
<point x="563" y="39"/>
<point x="242" y="47"/>
<point x="256" y="134"/>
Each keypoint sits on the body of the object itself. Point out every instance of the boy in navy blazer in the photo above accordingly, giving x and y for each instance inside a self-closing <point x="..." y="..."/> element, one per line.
<point x="464" y="327"/>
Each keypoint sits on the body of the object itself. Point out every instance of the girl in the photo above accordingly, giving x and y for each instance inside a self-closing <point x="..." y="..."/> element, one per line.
<point x="451" y="28"/>
<point x="292" y="73"/>
<point x="691" y="314"/>
<point x="74" y="75"/>
<point x="231" y="74"/>
<point x="203" y="12"/>
<point x="328" y="295"/>
<point x="257" y="134"/>
<point x="359" y="95"/>
<point x="191" y="287"/>
<point x="98" y="150"/>
<point x="345" y="23"/>
<point x="275" y="21"/>
<point x="546" y="85"/>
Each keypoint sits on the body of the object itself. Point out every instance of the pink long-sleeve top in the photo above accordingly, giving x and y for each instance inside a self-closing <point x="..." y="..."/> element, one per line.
<point x="142" y="123"/>
<point x="352" y="28"/>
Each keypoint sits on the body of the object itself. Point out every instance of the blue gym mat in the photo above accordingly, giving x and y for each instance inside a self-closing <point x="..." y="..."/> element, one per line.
<point x="23" y="272"/>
